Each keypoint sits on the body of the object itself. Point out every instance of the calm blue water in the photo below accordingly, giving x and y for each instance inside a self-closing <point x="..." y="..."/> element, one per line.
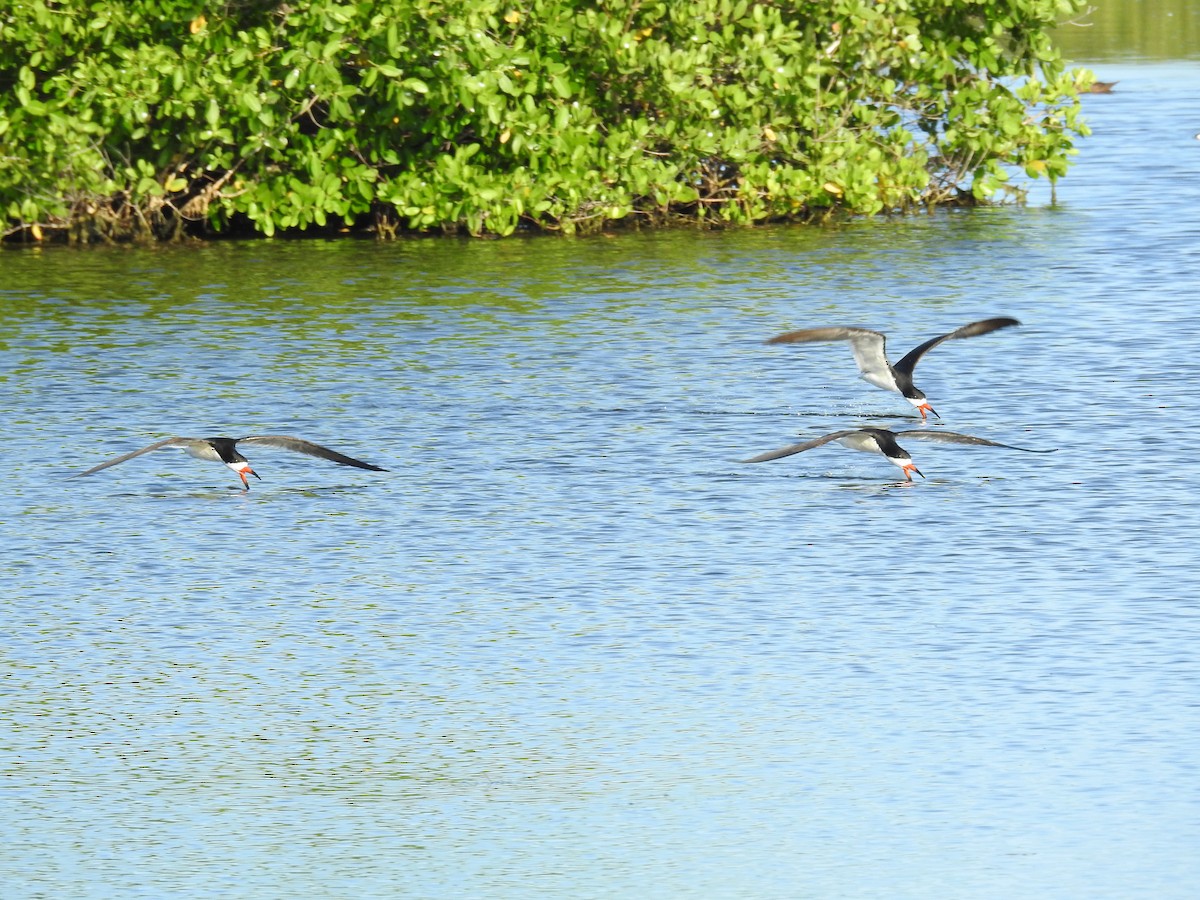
<point x="567" y="646"/>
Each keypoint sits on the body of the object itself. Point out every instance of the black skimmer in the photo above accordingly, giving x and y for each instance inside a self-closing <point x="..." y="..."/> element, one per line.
<point x="869" y="352"/>
<point x="224" y="450"/>
<point x="882" y="441"/>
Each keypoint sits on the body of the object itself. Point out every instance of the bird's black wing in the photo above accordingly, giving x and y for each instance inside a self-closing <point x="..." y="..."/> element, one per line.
<point x="308" y="448"/>
<point x="953" y="437"/>
<point x="800" y="448"/>
<point x="125" y="457"/>
<point x="984" y="326"/>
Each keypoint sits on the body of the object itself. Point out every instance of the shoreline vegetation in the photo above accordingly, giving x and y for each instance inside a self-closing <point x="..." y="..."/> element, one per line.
<point x="164" y="120"/>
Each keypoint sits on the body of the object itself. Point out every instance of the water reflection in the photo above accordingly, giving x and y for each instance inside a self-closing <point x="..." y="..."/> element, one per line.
<point x="1132" y="30"/>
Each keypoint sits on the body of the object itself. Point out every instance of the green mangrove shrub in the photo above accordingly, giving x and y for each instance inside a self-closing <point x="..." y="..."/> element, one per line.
<point x="155" y="119"/>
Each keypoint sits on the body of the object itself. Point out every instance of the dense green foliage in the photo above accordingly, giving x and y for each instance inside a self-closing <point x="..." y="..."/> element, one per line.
<point x="151" y="116"/>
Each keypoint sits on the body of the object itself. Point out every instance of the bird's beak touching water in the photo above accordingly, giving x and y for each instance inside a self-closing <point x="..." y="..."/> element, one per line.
<point x="242" y="472"/>
<point x="926" y="408"/>
<point x="909" y="469"/>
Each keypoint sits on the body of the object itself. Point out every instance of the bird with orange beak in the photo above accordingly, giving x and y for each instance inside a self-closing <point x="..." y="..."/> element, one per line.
<point x="883" y="442"/>
<point x="224" y="450"/>
<point x="869" y="348"/>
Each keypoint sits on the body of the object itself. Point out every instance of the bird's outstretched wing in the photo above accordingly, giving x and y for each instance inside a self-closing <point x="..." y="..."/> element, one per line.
<point x="157" y="445"/>
<point x="984" y="326"/>
<point x="869" y="347"/>
<point x="800" y="448"/>
<point x="308" y="448"/>
<point x="953" y="437"/>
